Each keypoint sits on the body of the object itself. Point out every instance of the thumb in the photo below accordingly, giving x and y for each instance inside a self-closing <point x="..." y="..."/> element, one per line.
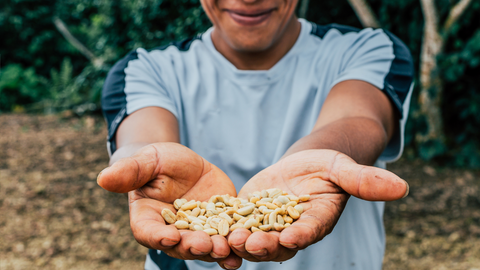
<point x="366" y="182"/>
<point x="130" y="173"/>
<point x="173" y="160"/>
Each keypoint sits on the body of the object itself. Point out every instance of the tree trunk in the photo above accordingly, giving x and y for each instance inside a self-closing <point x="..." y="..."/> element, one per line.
<point x="430" y="81"/>
<point x="364" y="13"/>
<point x="430" y="98"/>
<point x="63" y="29"/>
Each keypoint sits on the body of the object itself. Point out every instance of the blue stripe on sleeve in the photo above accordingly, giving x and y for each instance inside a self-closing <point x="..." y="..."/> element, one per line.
<point x="114" y="98"/>
<point x="400" y="76"/>
<point x="165" y="262"/>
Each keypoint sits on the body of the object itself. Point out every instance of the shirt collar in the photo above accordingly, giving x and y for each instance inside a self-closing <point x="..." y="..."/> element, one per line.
<point x="259" y="77"/>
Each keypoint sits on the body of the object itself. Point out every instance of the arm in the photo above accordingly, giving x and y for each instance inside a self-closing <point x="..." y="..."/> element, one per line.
<point x="354" y="126"/>
<point x="156" y="125"/>
<point x="155" y="169"/>
<point x="357" y="119"/>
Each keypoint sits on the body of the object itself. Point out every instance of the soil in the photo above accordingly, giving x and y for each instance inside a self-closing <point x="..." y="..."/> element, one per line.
<point x="54" y="216"/>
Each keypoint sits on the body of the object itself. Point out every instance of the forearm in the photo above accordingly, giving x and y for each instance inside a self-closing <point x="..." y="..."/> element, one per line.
<point x="143" y="127"/>
<point x="360" y="138"/>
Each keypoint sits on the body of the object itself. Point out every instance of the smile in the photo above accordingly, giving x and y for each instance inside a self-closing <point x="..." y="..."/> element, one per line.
<point x="250" y="18"/>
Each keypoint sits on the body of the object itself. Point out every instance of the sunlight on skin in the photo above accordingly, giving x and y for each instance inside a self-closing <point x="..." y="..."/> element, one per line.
<point x="177" y="172"/>
<point x="327" y="176"/>
<point x="156" y="176"/>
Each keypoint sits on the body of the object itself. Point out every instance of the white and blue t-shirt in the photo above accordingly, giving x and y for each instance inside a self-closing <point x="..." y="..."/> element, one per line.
<point x="245" y="120"/>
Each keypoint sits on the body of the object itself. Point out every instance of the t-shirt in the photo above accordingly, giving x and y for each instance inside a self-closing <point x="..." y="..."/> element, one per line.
<point x="244" y="121"/>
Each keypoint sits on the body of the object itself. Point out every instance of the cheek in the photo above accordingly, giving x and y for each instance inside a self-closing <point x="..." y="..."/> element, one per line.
<point x="210" y="9"/>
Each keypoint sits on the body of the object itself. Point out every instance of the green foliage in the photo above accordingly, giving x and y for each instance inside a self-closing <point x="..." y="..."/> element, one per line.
<point x="110" y="29"/>
<point x="64" y="89"/>
<point x="20" y="86"/>
<point x="460" y="69"/>
<point x="42" y="72"/>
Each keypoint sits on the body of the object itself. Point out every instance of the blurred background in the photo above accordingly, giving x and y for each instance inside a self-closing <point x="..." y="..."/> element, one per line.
<point x="54" y="57"/>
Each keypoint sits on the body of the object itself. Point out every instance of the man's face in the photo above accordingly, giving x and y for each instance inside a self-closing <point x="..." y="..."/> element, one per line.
<point x="250" y="25"/>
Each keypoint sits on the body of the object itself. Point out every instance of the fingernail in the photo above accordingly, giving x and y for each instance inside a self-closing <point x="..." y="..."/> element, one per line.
<point x="100" y="173"/>
<point x="408" y="190"/>
<point x="168" y="242"/>
<point x="238" y="247"/>
<point x="261" y="252"/>
<point x="288" y="245"/>
<point x="197" y="252"/>
<point x="215" y="256"/>
<point x="229" y="266"/>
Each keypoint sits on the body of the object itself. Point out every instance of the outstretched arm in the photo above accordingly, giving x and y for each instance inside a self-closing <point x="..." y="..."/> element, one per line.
<point x="155" y="169"/>
<point x="143" y="127"/>
<point x="355" y="124"/>
<point x="357" y="119"/>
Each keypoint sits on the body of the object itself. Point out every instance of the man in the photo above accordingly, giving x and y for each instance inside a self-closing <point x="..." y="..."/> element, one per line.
<point x="261" y="100"/>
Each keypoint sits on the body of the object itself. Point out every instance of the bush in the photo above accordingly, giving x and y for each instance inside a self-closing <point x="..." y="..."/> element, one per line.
<point x="19" y="87"/>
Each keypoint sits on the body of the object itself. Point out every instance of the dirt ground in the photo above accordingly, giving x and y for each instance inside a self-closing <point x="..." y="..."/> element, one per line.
<point x="54" y="216"/>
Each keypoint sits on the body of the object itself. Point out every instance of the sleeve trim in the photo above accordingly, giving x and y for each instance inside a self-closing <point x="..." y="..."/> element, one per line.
<point x="394" y="149"/>
<point x="398" y="81"/>
<point x="112" y="130"/>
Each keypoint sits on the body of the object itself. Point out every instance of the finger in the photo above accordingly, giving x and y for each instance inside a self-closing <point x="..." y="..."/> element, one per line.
<point x="237" y="240"/>
<point x="365" y="182"/>
<point x="231" y="262"/>
<point x="195" y="245"/>
<point x="189" y="248"/>
<point x="172" y="160"/>
<point x="301" y="235"/>
<point x="266" y="247"/>
<point x="148" y="226"/>
<point x="220" y="249"/>
<point x="318" y="220"/>
<point x="130" y="173"/>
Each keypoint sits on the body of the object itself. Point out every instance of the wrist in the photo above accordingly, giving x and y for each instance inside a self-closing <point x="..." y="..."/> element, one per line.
<point x="361" y="139"/>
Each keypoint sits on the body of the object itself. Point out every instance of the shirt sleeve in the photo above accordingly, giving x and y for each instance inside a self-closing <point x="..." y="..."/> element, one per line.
<point x="381" y="59"/>
<point x="133" y="83"/>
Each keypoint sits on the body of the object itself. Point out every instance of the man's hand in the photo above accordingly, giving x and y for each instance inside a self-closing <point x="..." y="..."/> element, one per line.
<point x="154" y="177"/>
<point x="330" y="177"/>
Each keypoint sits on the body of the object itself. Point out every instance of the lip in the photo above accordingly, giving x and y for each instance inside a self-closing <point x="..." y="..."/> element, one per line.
<point x="249" y="18"/>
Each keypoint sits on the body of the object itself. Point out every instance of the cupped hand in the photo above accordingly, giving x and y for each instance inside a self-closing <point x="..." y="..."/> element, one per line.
<point x="329" y="177"/>
<point x="154" y="177"/>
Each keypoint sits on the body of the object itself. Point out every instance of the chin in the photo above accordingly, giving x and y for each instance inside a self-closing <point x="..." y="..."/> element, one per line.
<point x="249" y="44"/>
<point x="253" y="48"/>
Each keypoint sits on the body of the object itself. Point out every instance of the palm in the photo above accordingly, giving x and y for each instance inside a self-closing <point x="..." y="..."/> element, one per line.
<point x="330" y="178"/>
<point x="181" y="173"/>
<point x="299" y="177"/>
<point x="156" y="176"/>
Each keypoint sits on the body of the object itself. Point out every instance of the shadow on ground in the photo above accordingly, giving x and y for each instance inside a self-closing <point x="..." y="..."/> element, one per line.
<point x="54" y="216"/>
